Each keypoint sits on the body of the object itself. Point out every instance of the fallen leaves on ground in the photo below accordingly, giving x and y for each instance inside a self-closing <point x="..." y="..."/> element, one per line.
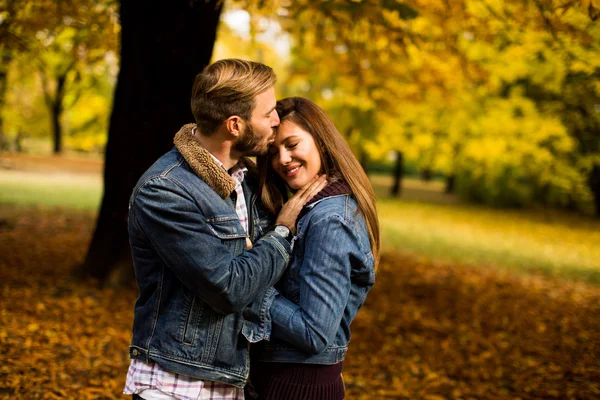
<point x="437" y="331"/>
<point x="429" y="331"/>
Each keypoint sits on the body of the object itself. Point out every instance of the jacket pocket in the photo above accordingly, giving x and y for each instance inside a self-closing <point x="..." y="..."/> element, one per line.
<point x="194" y="314"/>
<point x="226" y="227"/>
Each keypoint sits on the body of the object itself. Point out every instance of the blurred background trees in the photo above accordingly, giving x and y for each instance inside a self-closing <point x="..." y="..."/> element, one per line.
<point x="59" y="66"/>
<point x="501" y="99"/>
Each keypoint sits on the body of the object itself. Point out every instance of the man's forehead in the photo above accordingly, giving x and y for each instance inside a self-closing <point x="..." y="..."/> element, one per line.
<point x="266" y="100"/>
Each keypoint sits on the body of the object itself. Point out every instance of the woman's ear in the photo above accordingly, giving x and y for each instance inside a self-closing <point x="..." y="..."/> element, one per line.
<point x="235" y="125"/>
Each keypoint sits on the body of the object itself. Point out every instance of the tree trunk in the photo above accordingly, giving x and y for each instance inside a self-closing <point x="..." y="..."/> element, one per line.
<point x="398" y="173"/>
<point x="426" y="174"/>
<point x="364" y="161"/>
<point x="19" y="141"/>
<point x="6" y="58"/>
<point x="450" y="181"/>
<point x="57" y="136"/>
<point x="56" y="109"/>
<point x="163" y="46"/>
<point x="54" y="102"/>
<point x="594" y="183"/>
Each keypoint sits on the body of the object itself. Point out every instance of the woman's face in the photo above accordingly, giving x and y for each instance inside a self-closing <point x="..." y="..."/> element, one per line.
<point x="294" y="155"/>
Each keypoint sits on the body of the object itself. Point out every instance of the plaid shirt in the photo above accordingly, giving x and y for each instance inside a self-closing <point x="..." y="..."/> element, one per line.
<point x="153" y="382"/>
<point x="238" y="174"/>
<point x="158" y="384"/>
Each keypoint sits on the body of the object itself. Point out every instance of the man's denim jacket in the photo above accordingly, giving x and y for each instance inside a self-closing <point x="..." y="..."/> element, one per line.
<point x="192" y="271"/>
<point x="331" y="272"/>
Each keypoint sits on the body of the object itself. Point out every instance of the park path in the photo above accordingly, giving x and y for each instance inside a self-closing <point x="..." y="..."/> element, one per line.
<point x="50" y="169"/>
<point x="51" y="164"/>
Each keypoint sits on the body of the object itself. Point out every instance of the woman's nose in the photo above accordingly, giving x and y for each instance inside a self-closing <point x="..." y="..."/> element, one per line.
<point x="284" y="157"/>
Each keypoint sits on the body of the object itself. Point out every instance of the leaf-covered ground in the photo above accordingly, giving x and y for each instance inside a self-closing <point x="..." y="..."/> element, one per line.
<point x="428" y="331"/>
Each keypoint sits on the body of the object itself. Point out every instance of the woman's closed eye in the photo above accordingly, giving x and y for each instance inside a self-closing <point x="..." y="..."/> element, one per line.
<point x="288" y="146"/>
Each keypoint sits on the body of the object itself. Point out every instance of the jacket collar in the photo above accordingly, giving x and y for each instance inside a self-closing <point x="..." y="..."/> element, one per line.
<point x="335" y="188"/>
<point x="203" y="164"/>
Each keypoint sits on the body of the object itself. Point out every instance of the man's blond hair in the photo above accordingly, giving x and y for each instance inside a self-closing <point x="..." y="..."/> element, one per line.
<point x="228" y="87"/>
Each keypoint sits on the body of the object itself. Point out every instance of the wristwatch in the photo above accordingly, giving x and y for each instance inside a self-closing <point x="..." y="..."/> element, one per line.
<point x="284" y="232"/>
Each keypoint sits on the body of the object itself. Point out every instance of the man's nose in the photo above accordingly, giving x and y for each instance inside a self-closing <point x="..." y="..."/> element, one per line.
<point x="274" y="119"/>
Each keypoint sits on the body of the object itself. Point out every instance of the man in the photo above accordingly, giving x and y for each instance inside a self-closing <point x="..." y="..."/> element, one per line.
<point x="201" y="245"/>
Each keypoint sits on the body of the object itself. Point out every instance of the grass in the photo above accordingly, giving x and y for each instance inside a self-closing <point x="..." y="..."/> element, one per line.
<point x="425" y="221"/>
<point x="547" y="243"/>
<point x="55" y="190"/>
<point x="438" y="226"/>
<point x="67" y="182"/>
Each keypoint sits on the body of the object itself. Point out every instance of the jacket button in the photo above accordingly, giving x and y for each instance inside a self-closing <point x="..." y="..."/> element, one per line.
<point x="135" y="352"/>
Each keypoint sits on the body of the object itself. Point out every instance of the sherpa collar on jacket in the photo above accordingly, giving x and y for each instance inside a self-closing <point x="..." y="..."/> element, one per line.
<point x="203" y="164"/>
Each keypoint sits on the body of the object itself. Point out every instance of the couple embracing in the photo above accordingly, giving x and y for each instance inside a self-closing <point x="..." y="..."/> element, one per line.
<point x="249" y="273"/>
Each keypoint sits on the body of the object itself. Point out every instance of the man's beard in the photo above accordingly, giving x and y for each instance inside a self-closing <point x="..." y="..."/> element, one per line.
<point x="250" y="144"/>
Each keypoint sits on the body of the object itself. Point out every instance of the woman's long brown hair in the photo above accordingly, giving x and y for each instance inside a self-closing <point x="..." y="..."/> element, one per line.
<point x="337" y="161"/>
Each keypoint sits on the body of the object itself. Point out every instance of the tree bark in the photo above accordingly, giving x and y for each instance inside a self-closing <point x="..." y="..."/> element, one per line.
<point x="398" y="173"/>
<point x="163" y="46"/>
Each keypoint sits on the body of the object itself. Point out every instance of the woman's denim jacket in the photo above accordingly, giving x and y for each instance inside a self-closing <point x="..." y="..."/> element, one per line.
<point x="193" y="274"/>
<point x="331" y="272"/>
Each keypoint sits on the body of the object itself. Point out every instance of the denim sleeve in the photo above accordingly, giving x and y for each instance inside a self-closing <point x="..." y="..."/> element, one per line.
<point x="174" y="225"/>
<point x="312" y="324"/>
<point x="257" y="318"/>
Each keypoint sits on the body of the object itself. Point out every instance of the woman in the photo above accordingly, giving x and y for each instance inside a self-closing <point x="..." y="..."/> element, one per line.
<point x="335" y="253"/>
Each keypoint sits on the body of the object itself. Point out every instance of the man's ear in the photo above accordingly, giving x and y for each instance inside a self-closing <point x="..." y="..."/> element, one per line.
<point x="235" y="125"/>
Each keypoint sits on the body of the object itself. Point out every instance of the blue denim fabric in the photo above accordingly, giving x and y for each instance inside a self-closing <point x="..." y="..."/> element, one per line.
<point x="331" y="272"/>
<point x="193" y="274"/>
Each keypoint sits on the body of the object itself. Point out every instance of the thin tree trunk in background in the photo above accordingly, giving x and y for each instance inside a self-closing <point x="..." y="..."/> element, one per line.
<point x="426" y="174"/>
<point x="19" y="141"/>
<point x="450" y="181"/>
<point x="364" y="161"/>
<point x="54" y="102"/>
<point x="6" y="58"/>
<point x="164" y="44"/>
<point x="594" y="183"/>
<point x="56" y="109"/>
<point x="398" y="173"/>
<point x="56" y="131"/>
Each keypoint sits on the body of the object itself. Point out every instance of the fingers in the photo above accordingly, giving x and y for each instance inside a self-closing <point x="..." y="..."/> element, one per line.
<point x="316" y="187"/>
<point x="292" y="208"/>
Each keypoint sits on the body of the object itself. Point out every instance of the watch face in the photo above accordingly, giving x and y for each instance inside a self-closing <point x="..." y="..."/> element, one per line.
<point x="282" y="230"/>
